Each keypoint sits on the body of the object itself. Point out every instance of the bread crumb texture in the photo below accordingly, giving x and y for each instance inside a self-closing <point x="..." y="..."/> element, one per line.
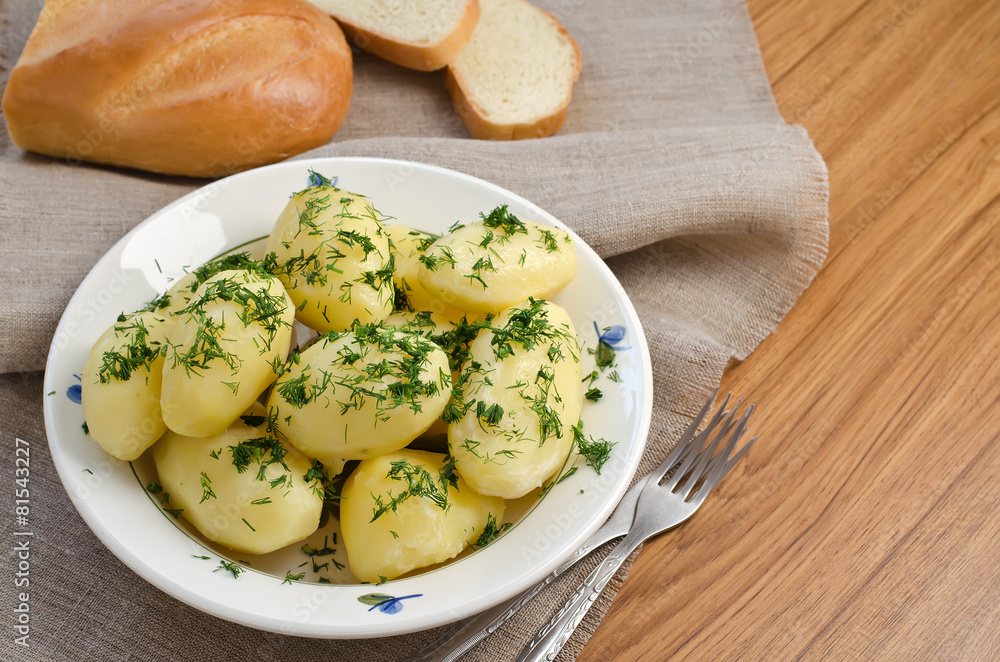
<point x="519" y="65"/>
<point x="416" y="22"/>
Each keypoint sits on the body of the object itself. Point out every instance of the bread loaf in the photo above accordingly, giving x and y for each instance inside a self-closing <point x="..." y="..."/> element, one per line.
<point x="423" y="35"/>
<point x="191" y="87"/>
<point x="514" y="78"/>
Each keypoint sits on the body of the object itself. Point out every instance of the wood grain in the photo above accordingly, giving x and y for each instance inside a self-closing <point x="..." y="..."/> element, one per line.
<point x="863" y="524"/>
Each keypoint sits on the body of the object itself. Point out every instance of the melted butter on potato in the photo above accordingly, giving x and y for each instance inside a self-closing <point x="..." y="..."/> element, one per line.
<point x="497" y="263"/>
<point x="225" y="346"/>
<point x="517" y="401"/>
<point x="360" y="394"/>
<point x="333" y="256"/>
<point x="409" y="510"/>
<point x="121" y="382"/>
<point x="241" y="487"/>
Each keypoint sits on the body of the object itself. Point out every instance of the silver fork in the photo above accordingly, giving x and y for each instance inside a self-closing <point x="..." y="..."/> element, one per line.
<point x="462" y="636"/>
<point x="697" y="469"/>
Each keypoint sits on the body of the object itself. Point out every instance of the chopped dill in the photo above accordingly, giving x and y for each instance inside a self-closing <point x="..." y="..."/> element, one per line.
<point x="206" y="487"/>
<point x="501" y="218"/>
<point x="595" y="451"/>
<point x="265" y="451"/>
<point x="289" y="577"/>
<point x="547" y="240"/>
<point x="482" y="264"/>
<point x="490" y="416"/>
<point x="318" y="180"/>
<point x="229" y="566"/>
<point x="420" y="482"/>
<point x="138" y="353"/>
<point x="566" y="475"/>
<point x="253" y="420"/>
<point x="491" y="531"/>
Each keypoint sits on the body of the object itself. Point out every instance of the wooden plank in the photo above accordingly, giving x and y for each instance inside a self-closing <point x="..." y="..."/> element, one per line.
<point x="861" y="525"/>
<point x="787" y="32"/>
<point x="882" y="71"/>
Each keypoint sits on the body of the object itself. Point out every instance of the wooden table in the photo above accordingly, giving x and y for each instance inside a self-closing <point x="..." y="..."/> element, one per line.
<point x="865" y="523"/>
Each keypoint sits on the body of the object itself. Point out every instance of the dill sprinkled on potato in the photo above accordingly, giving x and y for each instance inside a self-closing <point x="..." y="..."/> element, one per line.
<point x="264" y="451"/>
<point x="501" y="218"/>
<point x="419" y="483"/>
<point x="206" y="486"/>
<point x="137" y="354"/>
<point x="490" y="531"/>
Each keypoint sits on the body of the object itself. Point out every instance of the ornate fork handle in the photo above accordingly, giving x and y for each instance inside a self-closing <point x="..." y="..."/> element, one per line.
<point x="550" y="639"/>
<point x="446" y="648"/>
<point x="526" y="597"/>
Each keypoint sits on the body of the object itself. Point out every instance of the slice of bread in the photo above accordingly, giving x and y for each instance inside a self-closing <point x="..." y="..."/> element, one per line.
<point x="514" y="79"/>
<point x="424" y="35"/>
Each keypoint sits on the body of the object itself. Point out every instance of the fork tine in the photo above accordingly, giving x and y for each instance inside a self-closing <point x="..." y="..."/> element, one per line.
<point x="693" y="449"/>
<point x="707" y="453"/>
<point x="725" y="431"/>
<point x="691" y="470"/>
<point x="684" y="444"/>
<point x="716" y="476"/>
<point x="726" y="463"/>
<point x="736" y="457"/>
<point x="680" y="467"/>
<point x="689" y="478"/>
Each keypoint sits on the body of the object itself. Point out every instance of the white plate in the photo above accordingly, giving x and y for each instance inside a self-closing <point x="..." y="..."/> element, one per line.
<point x="231" y="212"/>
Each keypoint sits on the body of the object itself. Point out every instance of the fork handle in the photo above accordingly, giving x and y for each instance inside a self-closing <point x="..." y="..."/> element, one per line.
<point x="466" y="634"/>
<point x="554" y="635"/>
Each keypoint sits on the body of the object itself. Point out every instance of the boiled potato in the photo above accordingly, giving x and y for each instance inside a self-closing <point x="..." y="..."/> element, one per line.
<point x="424" y="322"/>
<point x="361" y="393"/>
<point x="121" y="382"/>
<point x="407" y="246"/>
<point x="399" y="512"/>
<point x="241" y="488"/>
<point x="517" y="401"/>
<point x="453" y="338"/>
<point x="333" y="256"/>
<point x="497" y="263"/>
<point x="226" y="346"/>
<point x="181" y="293"/>
<point x="436" y="328"/>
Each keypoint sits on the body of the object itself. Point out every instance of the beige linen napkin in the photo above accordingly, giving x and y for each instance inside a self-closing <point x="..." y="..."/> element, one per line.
<point x="674" y="164"/>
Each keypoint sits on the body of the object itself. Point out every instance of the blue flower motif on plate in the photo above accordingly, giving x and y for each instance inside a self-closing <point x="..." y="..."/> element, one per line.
<point x="75" y="392"/>
<point x="386" y="604"/>
<point x="612" y="335"/>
